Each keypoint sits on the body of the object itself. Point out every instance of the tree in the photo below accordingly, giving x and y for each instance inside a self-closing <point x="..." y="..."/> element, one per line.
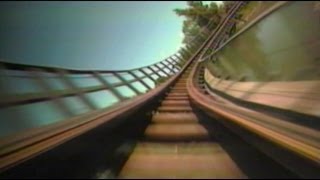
<point x="227" y="5"/>
<point x="201" y="19"/>
<point x="190" y="30"/>
<point x="198" y="16"/>
<point x="200" y="13"/>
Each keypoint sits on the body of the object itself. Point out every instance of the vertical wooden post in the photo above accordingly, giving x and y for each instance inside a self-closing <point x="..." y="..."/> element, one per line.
<point x="62" y="74"/>
<point x="140" y="80"/>
<point x="112" y="89"/>
<point x="154" y="72"/>
<point x="162" y="70"/>
<point x="127" y="83"/>
<point x="177" y="62"/>
<point x="181" y="59"/>
<point x="170" y="69"/>
<point x="174" y="65"/>
<point x="56" y="99"/>
<point x="3" y="90"/>
<point x="148" y="75"/>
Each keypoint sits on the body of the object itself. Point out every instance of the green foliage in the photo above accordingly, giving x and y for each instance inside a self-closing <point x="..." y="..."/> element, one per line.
<point x="199" y="12"/>
<point x="200" y="20"/>
<point x="198" y="16"/>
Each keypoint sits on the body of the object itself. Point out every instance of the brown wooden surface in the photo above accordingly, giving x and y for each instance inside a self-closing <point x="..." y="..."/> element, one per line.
<point x="18" y="148"/>
<point x="181" y="147"/>
<point x="302" y="141"/>
<point x="22" y="146"/>
<point x="180" y="160"/>
<point x="299" y="96"/>
<point x="182" y="117"/>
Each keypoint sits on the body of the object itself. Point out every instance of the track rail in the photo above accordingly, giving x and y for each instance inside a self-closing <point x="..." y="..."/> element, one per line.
<point x="301" y="143"/>
<point x="297" y="145"/>
<point x="22" y="146"/>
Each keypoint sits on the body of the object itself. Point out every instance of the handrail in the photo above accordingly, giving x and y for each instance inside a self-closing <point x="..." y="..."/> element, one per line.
<point x="15" y="99"/>
<point x="22" y="146"/>
<point x="221" y="30"/>
<point x="21" y="66"/>
<point x="302" y="141"/>
<point x="206" y="44"/>
<point x="248" y="26"/>
<point x="297" y="141"/>
<point x="13" y="146"/>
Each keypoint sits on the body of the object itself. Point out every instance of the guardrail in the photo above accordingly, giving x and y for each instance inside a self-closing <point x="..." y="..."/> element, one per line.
<point x="63" y="90"/>
<point x="290" y="138"/>
<point x="25" y="85"/>
<point x="19" y="146"/>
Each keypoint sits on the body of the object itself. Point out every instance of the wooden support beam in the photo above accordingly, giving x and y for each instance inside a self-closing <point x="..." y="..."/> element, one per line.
<point x="177" y="62"/>
<point x="166" y="66"/>
<point x="180" y="57"/>
<point x="140" y="80"/>
<point x="162" y="70"/>
<point x="63" y="75"/>
<point x="174" y="65"/>
<point x="56" y="99"/>
<point x="148" y="75"/>
<point x="127" y="83"/>
<point x="109" y="86"/>
<point x="154" y="72"/>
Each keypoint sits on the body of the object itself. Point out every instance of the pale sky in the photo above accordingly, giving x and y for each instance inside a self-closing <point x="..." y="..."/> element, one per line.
<point x="81" y="35"/>
<point x="90" y="35"/>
